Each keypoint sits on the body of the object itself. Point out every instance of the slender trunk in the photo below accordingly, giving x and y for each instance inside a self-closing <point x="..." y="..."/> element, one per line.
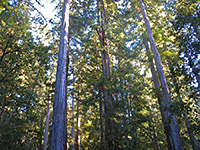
<point x="190" y="132"/>
<point x="107" y="96"/>
<point x="155" y="135"/>
<point x="123" y="99"/>
<point x="78" y="121"/>
<point x="101" y="118"/>
<point x="41" y="128"/>
<point x="73" y="140"/>
<point x="125" y="125"/>
<point x="67" y="68"/>
<point x="158" y="91"/>
<point x="58" y="138"/>
<point x="132" y="119"/>
<point x="47" y="125"/>
<point x="175" y="141"/>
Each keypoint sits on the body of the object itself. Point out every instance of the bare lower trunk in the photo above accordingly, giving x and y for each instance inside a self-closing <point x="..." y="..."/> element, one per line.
<point x="67" y="68"/>
<point x="78" y="122"/>
<point x="157" y="88"/>
<point x="125" y="125"/>
<point x="101" y="119"/>
<point x="190" y="132"/>
<point x="58" y="139"/>
<point x="191" y="135"/>
<point x="41" y="128"/>
<point x="46" y="127"/>
<point x="73" y="137"/>
<point x="107" y="96"/>
<point x="108" y="104"/>
<point x="175" y="141"/>
<point x="155" y="135"/>
<point x="158" y="91"/>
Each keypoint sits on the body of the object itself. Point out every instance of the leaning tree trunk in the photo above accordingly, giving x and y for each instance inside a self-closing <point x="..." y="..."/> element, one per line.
<point x="157" y="89"/>
<point x="156" y="83"/>
<point x="175" y="141"/>
<point x="177" y="89"/>
<point x="59" y="107"/>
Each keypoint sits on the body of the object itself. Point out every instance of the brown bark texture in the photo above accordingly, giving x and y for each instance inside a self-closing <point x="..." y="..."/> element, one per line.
<point x="58" y="138"/>
<point x="107" y="96"/>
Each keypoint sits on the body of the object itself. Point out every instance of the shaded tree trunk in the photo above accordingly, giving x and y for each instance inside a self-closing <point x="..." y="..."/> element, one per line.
<point x="156" y="83"/>
<point x="47" y="126"/>
<point x="78" y="121"/>
<point x="73" y="140"/>
<point x="158" y="91"/>
<point x="107" y="96"/>
<point x="67" y="68"/>
<point x="174" y="141"/>
<point x="155" y="134"/>
<point x="101" y="118"/>
<point x="41" y="128"/>
<point x="58" y="138"/>
<point x="190" y="132"/>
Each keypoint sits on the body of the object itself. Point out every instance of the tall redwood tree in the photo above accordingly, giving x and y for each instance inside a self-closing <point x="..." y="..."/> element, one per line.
<point x="59" y="107"/>
<point x="173" y="138"/>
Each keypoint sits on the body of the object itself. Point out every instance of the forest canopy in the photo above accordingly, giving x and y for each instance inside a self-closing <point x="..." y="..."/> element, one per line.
<point x="100" y="74"/>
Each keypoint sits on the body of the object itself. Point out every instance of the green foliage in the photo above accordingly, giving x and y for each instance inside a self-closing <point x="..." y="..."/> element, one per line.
<point x="23" y="70"/>
<point x="27" y="73"/>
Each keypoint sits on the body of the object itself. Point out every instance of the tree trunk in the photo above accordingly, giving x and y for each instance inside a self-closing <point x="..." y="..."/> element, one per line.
<point x="73" y="140"/>
<point x="155" y="79"/>
<point x="67" y="68"/>
<point x="47" y="126"/>
<point x="58" y="138"/>
<point x="158" y="91"/>
<point x="107" y="103"/>
<point x="41" y="127"/>
<point x="101" y="118"/>
<point x="107" y="96"/>
<point x="155" y="134"/>
<point x="175" y="141"/>
<point x="78" y="121"/>
<point x="123" y="100"/>
<point x="190" y="132"/>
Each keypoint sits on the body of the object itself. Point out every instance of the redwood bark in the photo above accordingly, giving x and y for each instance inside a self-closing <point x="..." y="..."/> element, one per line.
<point x="107" y="96"/>
<point x="175" y="141"/>
<point x="58" y="138"/>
